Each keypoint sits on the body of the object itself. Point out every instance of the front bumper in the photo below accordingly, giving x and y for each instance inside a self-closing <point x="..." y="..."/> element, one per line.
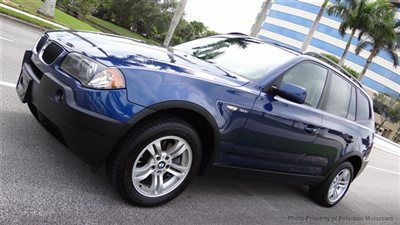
<point x="87" y="134"/>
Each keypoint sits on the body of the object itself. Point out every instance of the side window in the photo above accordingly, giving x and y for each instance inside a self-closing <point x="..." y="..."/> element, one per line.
<point x="311" y="77"/>
<point x="363" y="110"/>
<point x="351" y="115"/>
<point x="339" y="96"/>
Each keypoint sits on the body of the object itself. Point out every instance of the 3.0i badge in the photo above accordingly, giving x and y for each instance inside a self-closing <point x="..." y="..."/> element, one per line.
<point x="234" y="108"/>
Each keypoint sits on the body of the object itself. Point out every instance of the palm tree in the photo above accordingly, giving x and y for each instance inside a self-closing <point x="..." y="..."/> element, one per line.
<point x="382" y="35"/>
<point x="48" y="8"/>
<point x="355" y="15"/>
<point x="311" y="32"/>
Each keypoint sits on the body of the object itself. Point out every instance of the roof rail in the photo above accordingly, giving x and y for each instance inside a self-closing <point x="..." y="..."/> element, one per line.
<point x="283" y="46"/>
<point x="334" y="64"/>
<point x="238" y="33"/>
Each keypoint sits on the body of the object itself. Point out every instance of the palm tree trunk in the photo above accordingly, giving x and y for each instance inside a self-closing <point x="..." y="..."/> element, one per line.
<point x="174" y="22"/>
<point x="311" y="32"/>
<point x="262" y="15"/>
<point x="48" y="8"/>
<point x="346" y="50"/>
<point x="369" y="60"/>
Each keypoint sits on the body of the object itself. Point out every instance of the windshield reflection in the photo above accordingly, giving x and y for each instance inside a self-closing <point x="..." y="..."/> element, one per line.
<point x="212" y="50"/>
<point x="246" y="56"/>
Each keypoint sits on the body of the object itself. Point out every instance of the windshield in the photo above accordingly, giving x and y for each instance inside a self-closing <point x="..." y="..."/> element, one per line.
<point x="245" y="56"/>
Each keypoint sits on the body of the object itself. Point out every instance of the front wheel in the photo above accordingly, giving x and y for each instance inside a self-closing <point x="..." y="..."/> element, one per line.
<point x="335" y="187"/>
<point x="156" y="161"/>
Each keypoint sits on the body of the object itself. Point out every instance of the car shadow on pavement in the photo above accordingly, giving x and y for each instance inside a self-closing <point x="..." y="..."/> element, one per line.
<point x="30" y="152"/>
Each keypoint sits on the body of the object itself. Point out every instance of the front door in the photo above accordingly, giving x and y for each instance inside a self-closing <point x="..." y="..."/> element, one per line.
<point x="279" y="133"/>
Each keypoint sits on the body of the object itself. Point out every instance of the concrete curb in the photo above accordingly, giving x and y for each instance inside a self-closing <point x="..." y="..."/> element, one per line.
<point x="386" y="145"/>
<point x="386" y="150"/>
<point x="23" y="22"/>
<point x="33" y="16"/>
<point x="388" y="141"/>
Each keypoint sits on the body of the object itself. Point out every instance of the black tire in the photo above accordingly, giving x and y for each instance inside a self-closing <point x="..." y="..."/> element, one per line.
<point x="121" y="162"/>
<point x="319" y="193"/>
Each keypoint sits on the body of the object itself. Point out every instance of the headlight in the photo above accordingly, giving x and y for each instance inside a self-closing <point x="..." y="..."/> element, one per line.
<point x="91" y="73"/>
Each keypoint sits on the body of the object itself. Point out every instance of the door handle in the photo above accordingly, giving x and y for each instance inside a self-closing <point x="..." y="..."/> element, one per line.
<point x="348" y="138"/>
<point x="311" y="129"/>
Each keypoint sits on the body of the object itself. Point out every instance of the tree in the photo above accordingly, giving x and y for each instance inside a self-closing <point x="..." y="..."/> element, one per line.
<point x="150" y="18"/>
<point x="187" y="31"/>
<point x="355" y="14"/>
<point x="48" y="8"/>
<point x="397" y="136"/>
<point x="150" y="11"/>
<point x="381" y="35"/>
<point x="350" y="70"/>
<point x="388" y="109"/>
<point x="124" y="13"/>
<point x="78" y="8"/>
<point x="102" y="10"/>
<point x="147" y="17"/>
<point x="311" y="32"/>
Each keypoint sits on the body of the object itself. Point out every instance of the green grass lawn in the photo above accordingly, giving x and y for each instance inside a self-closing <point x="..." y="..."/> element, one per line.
<point x="90" y="23"/>
<point x="27" y="18"/>
<point x="31" y="6"/>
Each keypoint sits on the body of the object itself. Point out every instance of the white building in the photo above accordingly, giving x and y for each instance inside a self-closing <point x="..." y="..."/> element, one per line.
<point x="288" y="22"/>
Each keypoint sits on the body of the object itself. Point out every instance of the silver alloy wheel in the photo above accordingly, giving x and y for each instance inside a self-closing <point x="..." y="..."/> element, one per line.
<point x="339" y="185"/>
<point x="162" y="166"/>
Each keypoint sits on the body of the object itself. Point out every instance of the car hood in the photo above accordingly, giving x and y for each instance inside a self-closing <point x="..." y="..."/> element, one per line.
<point x="123" y="52"/>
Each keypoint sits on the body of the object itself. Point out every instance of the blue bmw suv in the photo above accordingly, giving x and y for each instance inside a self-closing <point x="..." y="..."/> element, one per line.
<point x="159" y="116"/>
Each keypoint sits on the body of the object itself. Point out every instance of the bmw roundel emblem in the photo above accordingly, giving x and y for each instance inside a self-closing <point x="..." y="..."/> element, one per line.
<point x="161" y="165"/>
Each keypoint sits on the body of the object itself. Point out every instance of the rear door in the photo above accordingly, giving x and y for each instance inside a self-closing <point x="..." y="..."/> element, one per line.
<point x="278" y="132"/>
<point x="338" y="133"/>
<point x="366" y="128"/>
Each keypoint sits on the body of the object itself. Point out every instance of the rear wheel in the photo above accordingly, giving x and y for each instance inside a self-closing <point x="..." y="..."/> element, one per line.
<point x="335" y="187"/>
<point x="156" y="161"/>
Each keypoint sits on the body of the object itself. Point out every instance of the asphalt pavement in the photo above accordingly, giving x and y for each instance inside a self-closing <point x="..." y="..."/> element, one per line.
<point x="42" y="183"/>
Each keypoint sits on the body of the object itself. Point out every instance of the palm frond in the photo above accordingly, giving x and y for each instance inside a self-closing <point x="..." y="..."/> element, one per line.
<point x="393" y="55"/>
<point x="339" y="9"/>
<point x="397" y="25"/>
<point x="361" y="34"/>
<point x="362" y="45"/>
<point x="343" y="27"/>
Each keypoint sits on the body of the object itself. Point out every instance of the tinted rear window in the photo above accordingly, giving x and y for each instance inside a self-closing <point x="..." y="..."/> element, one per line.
<point x="339" y="96"/>
<point x="363" y="109"/>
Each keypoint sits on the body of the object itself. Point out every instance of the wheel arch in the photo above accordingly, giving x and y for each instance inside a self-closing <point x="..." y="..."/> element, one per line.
<point x="194" y="114"/>
<point x="355" y="160"/>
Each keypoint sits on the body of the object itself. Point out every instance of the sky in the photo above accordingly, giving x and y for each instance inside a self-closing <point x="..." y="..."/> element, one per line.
<point x="224" y="16"/>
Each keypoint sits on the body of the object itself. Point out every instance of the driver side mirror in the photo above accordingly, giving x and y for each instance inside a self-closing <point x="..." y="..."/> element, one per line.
<point x="290" y="92"/>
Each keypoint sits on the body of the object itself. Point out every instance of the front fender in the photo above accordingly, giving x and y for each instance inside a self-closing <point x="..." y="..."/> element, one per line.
<point x="149" y="88"/>
<point x="157" y="90"/>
